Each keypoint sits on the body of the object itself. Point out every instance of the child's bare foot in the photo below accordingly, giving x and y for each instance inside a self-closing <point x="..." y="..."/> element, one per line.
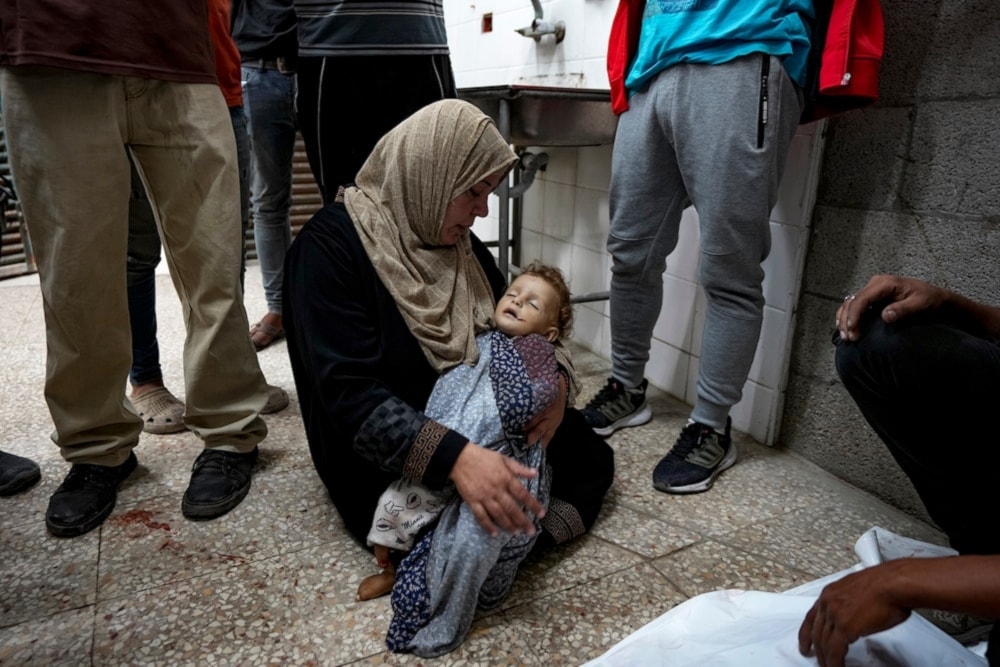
<point x="382" y="557"/>
<point x="376" y="585"/>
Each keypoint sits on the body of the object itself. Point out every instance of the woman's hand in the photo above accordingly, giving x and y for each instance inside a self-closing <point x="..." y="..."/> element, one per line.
<point x="905" y="296"/>
<point x="491" y="485"/>
<point x="544" y="425"/>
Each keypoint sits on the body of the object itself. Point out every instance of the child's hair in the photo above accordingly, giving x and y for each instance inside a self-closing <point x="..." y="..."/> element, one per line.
<point x="554" y="277"/>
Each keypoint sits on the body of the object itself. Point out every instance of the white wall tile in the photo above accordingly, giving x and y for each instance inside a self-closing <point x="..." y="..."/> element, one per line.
<point x="675" y="325"/>
<point x="683" y="261"/>
<point x="769" y="358"/>
<point x="561" y="167"/>
<point x="590" y="225"/>
<point x="531" y="246"/>
<point x="597" y="17"/>
<point x="557" y="253"/>
<point x="753" y="413"/>
<point x="782" y="266"/>
<point x="595" y="73"/>
<point x="593" y="167"/>
<point x="588" y="271"/>
<point x="558" y="210"/>
<point x="532" y="206"/>
<point x="667" y="367"/>
<point x="589" y="328"/>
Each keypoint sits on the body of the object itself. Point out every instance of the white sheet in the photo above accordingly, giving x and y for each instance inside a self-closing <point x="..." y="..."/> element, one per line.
<point x="755" y="629"/>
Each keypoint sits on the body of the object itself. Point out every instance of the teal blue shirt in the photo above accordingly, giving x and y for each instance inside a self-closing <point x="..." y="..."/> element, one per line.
<point x="717" y="31"/>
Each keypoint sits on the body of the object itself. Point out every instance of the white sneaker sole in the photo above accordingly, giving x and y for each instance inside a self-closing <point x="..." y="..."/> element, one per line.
<point x="637" y="418"/>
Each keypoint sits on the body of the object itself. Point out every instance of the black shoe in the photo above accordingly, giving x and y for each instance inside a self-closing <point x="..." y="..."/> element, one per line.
<point x="616" y="407"/>
<point x="17" y="474"/>
<point x="695" y="460"/>
<point x="86" y="497"/>
<point x="219" y="481"/>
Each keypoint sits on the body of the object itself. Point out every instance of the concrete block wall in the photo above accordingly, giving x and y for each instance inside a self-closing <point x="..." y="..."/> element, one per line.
<point x="911" y="186"/>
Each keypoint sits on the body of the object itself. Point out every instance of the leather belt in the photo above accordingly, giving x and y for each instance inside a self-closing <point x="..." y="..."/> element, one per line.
<point x="260" y="63"/>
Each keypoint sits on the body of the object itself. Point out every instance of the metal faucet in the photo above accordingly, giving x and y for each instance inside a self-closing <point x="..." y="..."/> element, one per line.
<point x="540" y="27"/>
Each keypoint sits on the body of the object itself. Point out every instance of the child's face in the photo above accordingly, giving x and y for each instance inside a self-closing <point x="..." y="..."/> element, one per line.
<point x="530" y="305"/>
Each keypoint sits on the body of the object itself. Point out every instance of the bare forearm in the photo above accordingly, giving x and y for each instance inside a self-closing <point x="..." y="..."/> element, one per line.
<point x="969" y="584"/>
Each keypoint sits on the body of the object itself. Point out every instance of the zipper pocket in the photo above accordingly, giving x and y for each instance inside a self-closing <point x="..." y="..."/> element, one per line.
<point x="765" y="71"/>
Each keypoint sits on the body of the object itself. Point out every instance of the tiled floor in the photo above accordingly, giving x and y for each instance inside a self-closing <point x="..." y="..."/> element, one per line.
<point x="274" y="580"/>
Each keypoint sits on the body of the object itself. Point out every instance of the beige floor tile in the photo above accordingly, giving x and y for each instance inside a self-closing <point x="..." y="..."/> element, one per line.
<point x="710" y="566"/>
<point x="63" y="638"/>
<point x="150" y="544"/>
<point x="41" y="575"/>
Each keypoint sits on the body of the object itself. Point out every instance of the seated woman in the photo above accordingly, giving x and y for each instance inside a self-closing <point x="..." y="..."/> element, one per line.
<point x="387" y="290"/>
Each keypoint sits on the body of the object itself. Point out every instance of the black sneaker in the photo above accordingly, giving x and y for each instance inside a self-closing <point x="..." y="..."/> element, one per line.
<point x="17" y="473"/>
<point x="219" y="482"/>
<point x="695" y="460"/>
<point x="86" y="497"/>
<point x="616" y="407"/>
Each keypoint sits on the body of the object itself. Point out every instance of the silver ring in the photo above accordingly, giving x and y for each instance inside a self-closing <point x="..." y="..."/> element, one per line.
<point x="849" y="297"/>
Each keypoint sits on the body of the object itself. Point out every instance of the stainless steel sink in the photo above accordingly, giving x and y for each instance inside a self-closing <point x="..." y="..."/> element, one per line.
<point x="547" y="116"/>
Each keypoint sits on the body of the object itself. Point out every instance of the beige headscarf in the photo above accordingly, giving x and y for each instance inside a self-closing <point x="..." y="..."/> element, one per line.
<point x="398" y="206"/>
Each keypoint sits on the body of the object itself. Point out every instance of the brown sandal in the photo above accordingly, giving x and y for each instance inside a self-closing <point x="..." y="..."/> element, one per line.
<point x="263" y="334"/>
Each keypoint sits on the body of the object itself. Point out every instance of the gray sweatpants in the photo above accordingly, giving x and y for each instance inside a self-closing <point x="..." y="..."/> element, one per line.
<point x="715" y="137"/>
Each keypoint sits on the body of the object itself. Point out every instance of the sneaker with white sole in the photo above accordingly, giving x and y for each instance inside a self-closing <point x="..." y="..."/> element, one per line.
<point x="695" y="460"/>
<point x="616" y="407"/>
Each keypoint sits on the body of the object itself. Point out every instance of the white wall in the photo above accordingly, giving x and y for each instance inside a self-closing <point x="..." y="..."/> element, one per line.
<point x="565" y="214"/>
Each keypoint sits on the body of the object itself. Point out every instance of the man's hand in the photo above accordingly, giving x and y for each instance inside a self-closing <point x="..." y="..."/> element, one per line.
<point x="906" y="296"/>
<point x="858" y="605"/>
<point x="491" y="485"/>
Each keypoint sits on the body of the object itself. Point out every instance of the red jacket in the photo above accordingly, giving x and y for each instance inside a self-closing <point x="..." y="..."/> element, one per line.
<point x="852" y="35"/>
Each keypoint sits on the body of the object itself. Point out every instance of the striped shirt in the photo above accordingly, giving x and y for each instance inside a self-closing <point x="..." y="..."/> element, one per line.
<point x="371" y="28"/>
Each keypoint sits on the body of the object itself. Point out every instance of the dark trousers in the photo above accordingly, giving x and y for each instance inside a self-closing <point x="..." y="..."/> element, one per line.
<point x="929" y="390"/>
<point x="346" y="103"/>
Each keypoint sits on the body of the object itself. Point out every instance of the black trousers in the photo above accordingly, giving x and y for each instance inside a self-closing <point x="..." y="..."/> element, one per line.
<point x="346" y="103"/>
<point x="930" y="391"/>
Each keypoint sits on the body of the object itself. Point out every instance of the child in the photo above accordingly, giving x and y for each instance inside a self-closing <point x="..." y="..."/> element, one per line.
<point x="487" y="404"/>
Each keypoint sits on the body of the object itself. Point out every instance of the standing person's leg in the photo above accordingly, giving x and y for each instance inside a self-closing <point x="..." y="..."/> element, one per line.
<point x="733" y="133"/>
<point x="159" y="409"/>
<point x="339" y="137"/>
<point x="183" y="141"/>
<point x="277" y="398"/>
<point x="925" y="388"/>
<point x="269" y="102"/>
<point x="238" y="119"/>
<point x="647" y="198"/>
<point x="65" y="133"/>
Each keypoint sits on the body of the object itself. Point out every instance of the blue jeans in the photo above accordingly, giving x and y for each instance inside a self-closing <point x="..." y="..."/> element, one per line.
<point x="269" y="100"/>
<point x="144" y="256"/>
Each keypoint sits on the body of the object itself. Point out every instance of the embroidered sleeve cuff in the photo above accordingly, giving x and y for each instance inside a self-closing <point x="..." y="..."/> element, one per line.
<point x="433" y="454"/>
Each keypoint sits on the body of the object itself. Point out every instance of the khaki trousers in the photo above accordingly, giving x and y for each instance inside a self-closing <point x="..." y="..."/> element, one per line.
<point x="67" y="135"/>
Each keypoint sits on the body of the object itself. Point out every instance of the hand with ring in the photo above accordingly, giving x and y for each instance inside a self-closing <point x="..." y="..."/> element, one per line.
<point x="902" y="297"/>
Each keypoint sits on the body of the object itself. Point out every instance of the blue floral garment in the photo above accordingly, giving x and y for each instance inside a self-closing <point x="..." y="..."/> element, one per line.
<point x="458" y="566"/>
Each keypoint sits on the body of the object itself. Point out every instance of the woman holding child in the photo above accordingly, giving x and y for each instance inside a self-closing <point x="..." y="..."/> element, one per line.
<point x="387" y="290"/>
